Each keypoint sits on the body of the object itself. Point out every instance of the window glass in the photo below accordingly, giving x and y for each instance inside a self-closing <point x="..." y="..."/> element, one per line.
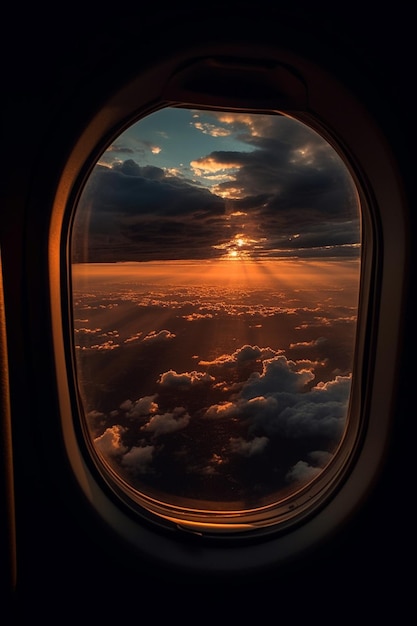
<point x="215" y="280"/>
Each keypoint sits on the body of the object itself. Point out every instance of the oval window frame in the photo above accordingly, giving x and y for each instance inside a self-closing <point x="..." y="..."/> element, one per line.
<point x="368" y="155"/>
<point x="263" y="518"/>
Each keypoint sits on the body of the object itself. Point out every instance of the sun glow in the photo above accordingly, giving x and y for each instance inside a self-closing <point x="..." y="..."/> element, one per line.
<point x="279" y="274"/>
<point x="239" y="247"/>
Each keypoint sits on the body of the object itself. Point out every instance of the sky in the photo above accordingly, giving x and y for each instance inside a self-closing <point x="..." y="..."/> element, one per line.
<point x="216" y="263"/>
<point x="187" y="184"/>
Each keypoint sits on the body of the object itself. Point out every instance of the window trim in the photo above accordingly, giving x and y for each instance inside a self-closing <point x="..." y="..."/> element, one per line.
<point x="372" y="163"/>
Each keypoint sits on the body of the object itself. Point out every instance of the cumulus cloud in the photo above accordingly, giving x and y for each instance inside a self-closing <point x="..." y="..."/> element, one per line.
<point x="303" y="345"/>
<point x="141" y="407"/>
<point x="271" y="413"/>
<point x="278" y="401"/>
<point x="248" y="448"/>
<point x="304" y="471"/>
<point x="106" y="345"/>
<point x="134" y="338"/>
<point x="158" y="336"/>
<point x="192" y="317"/>
<point x="184" y="380"/>
<point x="242" y="355"/>
<point x="87" y="331"/>
<point x="168" y="422"/>
<point x="110" y="442"/>
<point x="139" y="459"/>
<point x="221" y="410"/>
<point x="278" y="375"/>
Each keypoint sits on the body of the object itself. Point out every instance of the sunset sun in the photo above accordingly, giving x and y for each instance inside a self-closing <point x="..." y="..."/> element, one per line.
<point x="239" y="247"/>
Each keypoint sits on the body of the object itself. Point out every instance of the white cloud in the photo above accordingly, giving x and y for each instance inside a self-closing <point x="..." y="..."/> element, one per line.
<point x="155" y="336"/>
<point x="212" y="129"/>
<point x="279" y="374"/>
<point x="110" y="442"/>
<point x="168" y="422"/>
<point x="185" y="379"/>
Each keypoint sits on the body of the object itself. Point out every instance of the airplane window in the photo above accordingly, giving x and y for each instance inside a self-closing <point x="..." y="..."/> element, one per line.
<point x="215" y="278"/>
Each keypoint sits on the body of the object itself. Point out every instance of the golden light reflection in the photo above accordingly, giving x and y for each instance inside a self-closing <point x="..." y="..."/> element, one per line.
<point x="239" y="247"/>
<point x="290" y="274"/>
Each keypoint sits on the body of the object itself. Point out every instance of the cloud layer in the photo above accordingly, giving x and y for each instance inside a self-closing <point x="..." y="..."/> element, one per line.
<point x="271" y="422"/>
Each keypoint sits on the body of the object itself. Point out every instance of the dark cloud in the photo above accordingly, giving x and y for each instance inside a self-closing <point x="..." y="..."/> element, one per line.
<point x="276" y="404"/>
<point x="297" y="196"/>
<point x="295" y="184"/>
<point x="135" y="213"/>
